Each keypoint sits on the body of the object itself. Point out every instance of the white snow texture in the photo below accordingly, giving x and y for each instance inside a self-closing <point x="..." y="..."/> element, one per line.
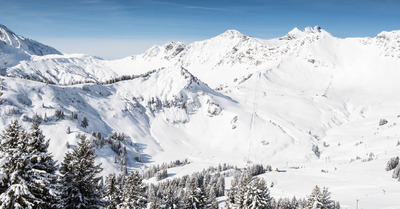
<point x="231" y="98"/>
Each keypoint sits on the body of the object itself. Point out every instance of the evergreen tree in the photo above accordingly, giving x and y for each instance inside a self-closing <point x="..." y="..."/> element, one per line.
<point x="43" y="168"/>
<point x="337" y="205"/>
<point x="74" y="116"/>
<point x="396" y="172"/>
<point x="326" y="199"/>
<point x="196" y="198"/>
<point x="170" y="199"/>
<point x="212" y="200"/>
<point x="313" y="198"/>
<point x="230" y="200"/>
<point x="256" y="195"/>
<point x="315" y="149"/>
<point x="59" y="115"/>
<point x="122" y="160"/>
<point x="133" y="195"/>
<point x="29" y="170"/>
<point x="16" y="193"/>
<point x="243" y="181"/>
<point x="8" y="145"/>
<point x="283" y="203"/>
<point x="294" y="203"/>
<point x="80" y="186"/>
<point x="320" y="200"/>
<point x="220" y="186"/>
<point x="84" y="122"/>
<point x="155" y="203"/>
<point x="112" y="192"/>
<point x="154" y="198"/>
<point x="45" y="118"/>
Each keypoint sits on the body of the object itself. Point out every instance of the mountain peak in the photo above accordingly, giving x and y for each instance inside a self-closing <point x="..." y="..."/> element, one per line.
<point x="231" y="34"/>
<point x="297" y="33"/>
<point x="13" y="41"/>
<point x="4" y="34"/>
<point x="307" y="30"/>
<point x="3" y="27"/>
<point x="389" y="34"/>
<point x="173" y="44"/>
<point x="315" y="29"/>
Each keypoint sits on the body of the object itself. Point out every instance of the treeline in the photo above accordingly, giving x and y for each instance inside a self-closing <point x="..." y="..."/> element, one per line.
<point x="252" y="192"/>
<point x="110" y="81"/>
<point x="116" y="79"/>
<point x="30" y="178"/>
<point x="160" y="171"/>
<point x="198" y="190"/>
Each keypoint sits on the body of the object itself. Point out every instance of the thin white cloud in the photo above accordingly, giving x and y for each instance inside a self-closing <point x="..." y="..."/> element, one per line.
<point x="194" y="7"/>
<point x="207" y="8"/>
<point x="105" y="48"/>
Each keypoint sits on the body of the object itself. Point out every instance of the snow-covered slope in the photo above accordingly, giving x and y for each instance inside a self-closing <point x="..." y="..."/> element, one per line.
<point x="128" y="107"/>
<point x="231" y="98"/>
<point x="29" y="46"/>
<point x="14" y="48"/>
<point x="219" y="61"/>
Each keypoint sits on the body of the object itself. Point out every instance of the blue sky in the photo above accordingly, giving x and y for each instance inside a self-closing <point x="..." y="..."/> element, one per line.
<point x="119" y="28"/>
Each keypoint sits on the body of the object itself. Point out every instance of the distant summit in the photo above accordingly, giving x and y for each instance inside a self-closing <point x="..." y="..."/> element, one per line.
<point x="231" y="34"/>
<point x="10" y="41"/>
<point x="297" y="33"/>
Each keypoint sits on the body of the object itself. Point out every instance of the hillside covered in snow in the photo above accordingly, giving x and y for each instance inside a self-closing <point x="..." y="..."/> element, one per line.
<point x="308" y="103"/>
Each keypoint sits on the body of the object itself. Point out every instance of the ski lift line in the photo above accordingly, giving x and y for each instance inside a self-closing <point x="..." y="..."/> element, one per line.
<point x="257" y="84"/>
<point x="329" y="85"/>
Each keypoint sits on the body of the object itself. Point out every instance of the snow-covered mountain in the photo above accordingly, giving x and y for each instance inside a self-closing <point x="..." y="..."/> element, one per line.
<point x="31" y="47"/>
<point x="14" y="48"/>
<point x="231" y="98"/>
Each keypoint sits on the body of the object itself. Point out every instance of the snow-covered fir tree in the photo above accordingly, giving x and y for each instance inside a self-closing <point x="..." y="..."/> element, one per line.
<point x="84" y="122"/>
<point x="153" y="197"/>
<point x="112" y="192"/>
<point x="320" y="199"/>
<point x="230" y="199"/>
<point x="122" y="160"/>
<point x="212" y="199"/>
<point x="256" y="195"/>
<point x="239" y="184"/>
<point x="16" y="193"/>
<point x="170" y="199"/>
<point x="294" y="203"/>
<point x="80" y="183"/>
<point x="195" y="198"/>
<point x="29" y="179"/>
<point x="285" y="203"/>
<point x="43" y="168"/>
<point x="8" y="145"/>
<point x="392" y="163"/>
<point x="133" y="195"/>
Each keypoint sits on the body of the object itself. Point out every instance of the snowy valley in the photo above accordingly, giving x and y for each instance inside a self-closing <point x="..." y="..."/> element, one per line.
<point x="324" y="110"/>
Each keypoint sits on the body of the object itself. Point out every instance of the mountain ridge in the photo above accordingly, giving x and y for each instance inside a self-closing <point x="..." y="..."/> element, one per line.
<point x="229" y="51"/>
<point x="29" y="46"/>
<point x="310" y="105"/>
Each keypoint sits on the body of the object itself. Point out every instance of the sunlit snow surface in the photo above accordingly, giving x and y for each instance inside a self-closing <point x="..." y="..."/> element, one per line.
<point x="233" y="99"/>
